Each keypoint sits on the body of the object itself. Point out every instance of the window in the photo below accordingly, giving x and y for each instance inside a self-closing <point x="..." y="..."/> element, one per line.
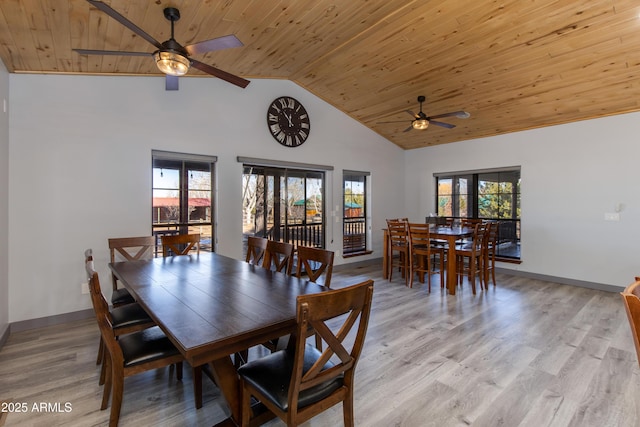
<point x="284" y="204"/>
<point x="354" y="231"/>
<point x="183" y="196"/>
<point x="487" y="194"/>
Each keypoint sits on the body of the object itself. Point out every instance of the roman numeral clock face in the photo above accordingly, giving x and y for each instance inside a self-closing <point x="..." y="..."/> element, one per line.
<point x="288" y="121"/>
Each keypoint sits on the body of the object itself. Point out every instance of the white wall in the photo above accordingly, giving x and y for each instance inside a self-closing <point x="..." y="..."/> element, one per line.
<point x="571" y="176"/>
<point x="4" y="197"/>
<point x="80" y="155"/>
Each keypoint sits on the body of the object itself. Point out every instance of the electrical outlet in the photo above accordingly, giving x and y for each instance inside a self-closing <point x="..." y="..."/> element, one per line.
<point x="84" y="288"/>
<point x="612" y="216"/>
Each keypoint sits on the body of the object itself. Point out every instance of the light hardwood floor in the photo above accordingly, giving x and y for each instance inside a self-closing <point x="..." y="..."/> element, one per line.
<point x="525" y="353"/>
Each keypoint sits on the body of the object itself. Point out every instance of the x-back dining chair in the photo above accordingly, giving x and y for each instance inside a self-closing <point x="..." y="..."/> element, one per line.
<point x="256" y="247"/>
<point x="130" y="354"/>
<point x="124" y="319"/>
<point x="278" y="256"/>
<point x="299" y="382"/>
<point x="180" y="244"/>
<point x="128" y="249"/>
<point x="316" y="263"/>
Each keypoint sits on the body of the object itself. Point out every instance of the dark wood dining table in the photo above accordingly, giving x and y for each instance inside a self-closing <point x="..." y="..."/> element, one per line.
<point x="212" y="306"/>
<point x="450" y="235"/>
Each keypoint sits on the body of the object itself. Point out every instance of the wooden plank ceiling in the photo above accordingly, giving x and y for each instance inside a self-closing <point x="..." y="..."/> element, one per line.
<point x="513" y="64"/>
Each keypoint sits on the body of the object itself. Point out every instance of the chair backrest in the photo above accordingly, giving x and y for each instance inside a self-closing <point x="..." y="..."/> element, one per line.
<point x="256" y="246"/>
<point x="398" y="232"/>
<point x="631" y="299"/>
<point x="492" y="236"/>
<point x="479" y="236"/>
<point x="101" y="309"/>
<point x="100" y="304"/>
<point x="314" y="311"/>
<point x="419" y="236"/>
<point x="180" y="244"/>
<point x="132" y="248"/>
<point x="316" y="263"/>
<point x="278" y="255"/>
<point x="88" y="263"/>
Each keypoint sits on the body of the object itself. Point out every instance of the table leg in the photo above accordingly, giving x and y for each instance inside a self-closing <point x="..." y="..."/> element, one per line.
<point x="228" y="381"/>
<point x="197" y="386"/>
<point x="451" y="265"/>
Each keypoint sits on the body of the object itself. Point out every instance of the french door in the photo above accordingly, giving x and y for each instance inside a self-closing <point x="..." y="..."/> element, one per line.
<point x="286" y="205"/>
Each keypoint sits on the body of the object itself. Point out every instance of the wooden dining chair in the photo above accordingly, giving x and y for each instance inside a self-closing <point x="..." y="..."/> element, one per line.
<point x="470" y="257"/>
<point x="316" y="264"/>
<point x="124" y="319"/>
<point x="490" y="250"/>
<point x="299" y="382"/>
<point x="130" y="354"/>
<point x="256" y="246"/>
<point x="631" y="300"/>
<point x="180" y="244"/>
<point x="399" y="243"/>
<point x="278" y="256"/>
<point x="421" y="249"/>
<point x="128" y="249"/>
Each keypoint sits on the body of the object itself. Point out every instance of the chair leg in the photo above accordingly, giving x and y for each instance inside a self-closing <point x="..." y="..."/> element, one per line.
<point x="441" y="270"/>
<point x="247" y="413"/>
<point x="493" y="272"/>
<point x="347" y="409"/>
<point x="103" y="371"/>
<point x="116" y="399"/>
<point x="100" y="352"/>
<point x="106" y="390"/>
<point x="179" y="371"/>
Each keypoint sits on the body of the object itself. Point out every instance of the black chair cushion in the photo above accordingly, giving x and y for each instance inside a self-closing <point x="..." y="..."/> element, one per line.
<point x="121" y="296"/>
<point x="271" y="375"/>
<point x="145" y="346"/>
<point x="128" y="315"/>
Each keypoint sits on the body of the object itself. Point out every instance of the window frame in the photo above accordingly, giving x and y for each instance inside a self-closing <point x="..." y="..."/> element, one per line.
<point x="184" y="163"/>
<point x="466" y="185"/>
<point x="355" y="243"/>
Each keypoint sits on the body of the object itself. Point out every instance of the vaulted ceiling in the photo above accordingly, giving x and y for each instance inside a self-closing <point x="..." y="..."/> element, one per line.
<point x="512" y="64"/>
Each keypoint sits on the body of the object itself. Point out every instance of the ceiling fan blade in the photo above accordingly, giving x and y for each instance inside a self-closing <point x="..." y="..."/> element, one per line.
<point x="124" y="21"/>
<point x="110" y="52"/>
<point x="224" y="42"/>
<point x="444" y="125"/>
<point x="458" y="114"/>
<point x="171" y="82"/>
<point x="408" y="129"/>
<point x="396" y="121"/>
<point x="216" y="72"/>
<point x="415" y="116"/>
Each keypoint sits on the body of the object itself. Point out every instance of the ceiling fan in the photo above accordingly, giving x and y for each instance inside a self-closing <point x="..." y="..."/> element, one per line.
<point x="171" y="57"/>
<point x="421" y="121"/>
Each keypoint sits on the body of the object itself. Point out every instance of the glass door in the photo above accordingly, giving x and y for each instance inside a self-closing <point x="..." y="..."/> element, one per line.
<point x="284" y="205"/>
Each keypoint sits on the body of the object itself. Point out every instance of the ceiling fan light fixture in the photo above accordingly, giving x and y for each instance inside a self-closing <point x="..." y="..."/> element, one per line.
<point x="171" y="62"/>
<point x="420" y="124"/>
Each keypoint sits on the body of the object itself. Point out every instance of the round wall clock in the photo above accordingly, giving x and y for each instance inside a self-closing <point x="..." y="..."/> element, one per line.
<point x="288" y="121"/>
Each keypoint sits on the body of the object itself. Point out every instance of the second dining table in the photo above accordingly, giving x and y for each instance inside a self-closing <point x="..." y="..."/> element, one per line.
<point x="212" y="306"/>
<point x="451" y="235"/>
